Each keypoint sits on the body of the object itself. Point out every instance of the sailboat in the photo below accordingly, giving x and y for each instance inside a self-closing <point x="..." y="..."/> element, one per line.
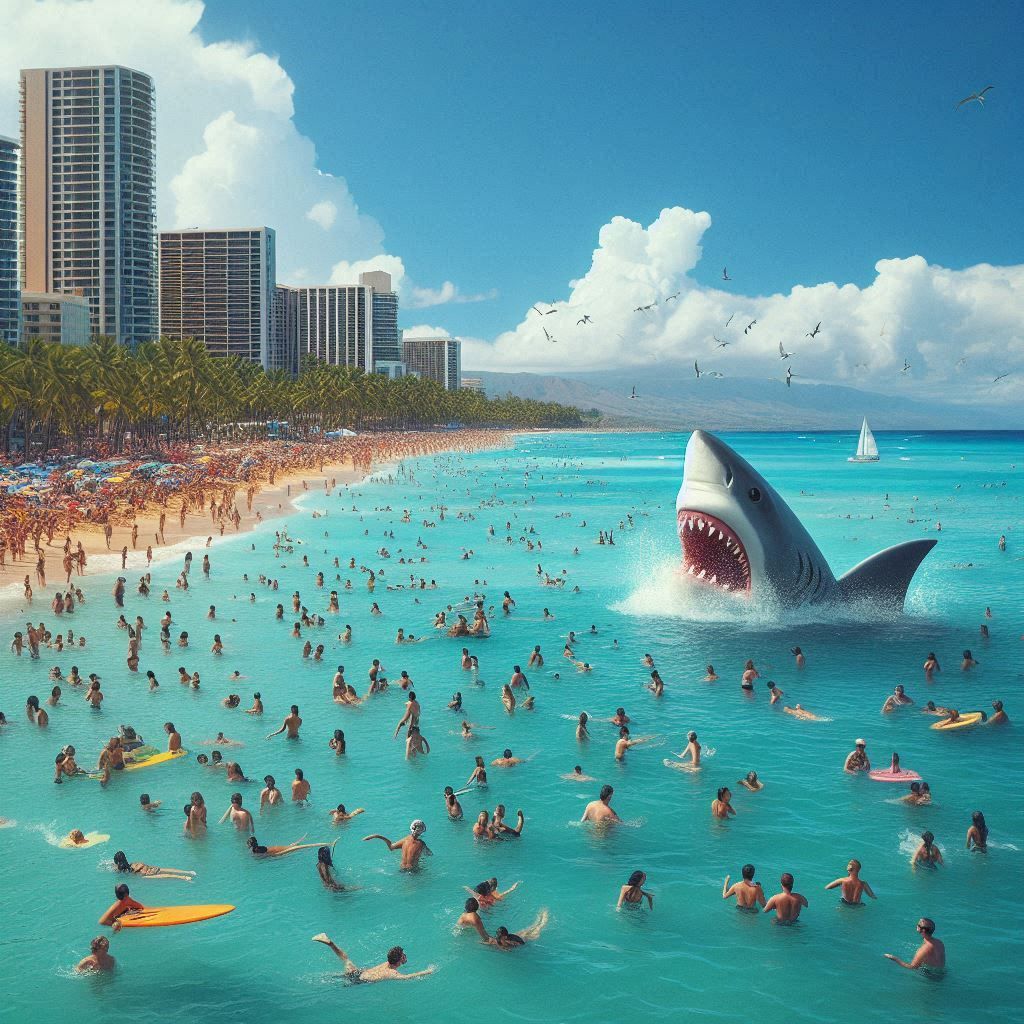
<point x="867" y="450"/>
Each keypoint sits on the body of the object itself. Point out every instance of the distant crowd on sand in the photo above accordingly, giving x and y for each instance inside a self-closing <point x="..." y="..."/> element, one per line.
<point x="205" y="479"/>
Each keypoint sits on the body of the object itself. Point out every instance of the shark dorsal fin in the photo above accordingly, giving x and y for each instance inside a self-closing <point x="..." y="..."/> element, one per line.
<point x="884" y="577"/>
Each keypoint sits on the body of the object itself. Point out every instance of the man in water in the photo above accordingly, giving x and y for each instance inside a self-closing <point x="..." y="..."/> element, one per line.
<point x="600" y="811"/>
<point x="857" y="759"/>
<point x="1000" y="717"/>
<point x="99" y="958"/>
<point x="896" y="699"/>
<point x="748" y="893"/>
<point x="930" y="954"/>
<point x="240" y="817"/>
<point x="412" y="846"/>
<point x="786" y="904"/>
<point x="387" y="971"/>
<point x="853" y="886"/>
<point x="291" y="723"/>
<point x="470" y="918"/>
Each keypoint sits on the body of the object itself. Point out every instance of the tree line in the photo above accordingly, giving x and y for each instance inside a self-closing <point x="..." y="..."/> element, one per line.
<point x="62" y="397"/>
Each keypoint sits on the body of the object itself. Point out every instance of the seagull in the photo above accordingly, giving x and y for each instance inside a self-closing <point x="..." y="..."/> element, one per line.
<point x="644" y="309"/>
<point x="729" y="321"/>
<point x="1001" y="376"/>
<point x="634" y="392"/>
<point x="789" y="376"/>
<point x="586" y="320"/>
<point x="715" y="374"/>
<point x="725" y="274"/>
<point x="882" y="331"/>
<point x="783" y="354"/>
<point x="547" y="335"/>
<point x="962" y="361"/>
<point x="857" y="366"/>
<point x="669" y="298"/>
<point x="906" y="366"/>
<point x="696" y="369"/>
<point x="746" y="329"/>
<point x="979" y="96"/>
<point x="536" y="310"/>
<point x="815" y="332"/>
<point x="721" y="344"/>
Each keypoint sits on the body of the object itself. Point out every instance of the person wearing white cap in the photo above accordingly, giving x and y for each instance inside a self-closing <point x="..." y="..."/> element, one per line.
<point x="857" y="759"/>
<point x="412" y="846"/>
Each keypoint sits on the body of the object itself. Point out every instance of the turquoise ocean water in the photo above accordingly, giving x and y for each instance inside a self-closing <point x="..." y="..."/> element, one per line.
<point x="693" y="954"/>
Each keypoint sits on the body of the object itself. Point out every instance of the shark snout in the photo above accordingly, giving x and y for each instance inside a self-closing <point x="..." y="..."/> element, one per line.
<point x="707" y="460"/>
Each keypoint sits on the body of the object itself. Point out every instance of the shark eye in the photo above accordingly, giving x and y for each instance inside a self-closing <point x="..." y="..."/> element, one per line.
<point x="754" y="494"/>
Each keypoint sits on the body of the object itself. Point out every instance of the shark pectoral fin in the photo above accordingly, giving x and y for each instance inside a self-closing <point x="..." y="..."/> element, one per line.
<point x="885" y="577"/>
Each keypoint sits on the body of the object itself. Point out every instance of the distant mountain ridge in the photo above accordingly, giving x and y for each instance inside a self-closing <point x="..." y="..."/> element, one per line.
<point x="673" y="400"/>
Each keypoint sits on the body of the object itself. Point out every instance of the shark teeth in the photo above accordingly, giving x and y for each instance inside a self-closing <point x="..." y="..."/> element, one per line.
<point x="712" y="553"/>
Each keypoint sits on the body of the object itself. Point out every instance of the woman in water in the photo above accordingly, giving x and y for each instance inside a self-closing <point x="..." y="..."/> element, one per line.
<point x="137" y="867"/>
<point x="927" y="853"/>
<point x="581" y="728"/>
<point x="479" y="775"/>
<point x="337" y="743"/>
<point x="325" y="869"/>
<point x="508" y="698"/>
<point x="278" y="851"/>
<point x="633" y="892"/>
<point x="709" y="674"/>
<point x="751" y="782"/>
<point x="452" y="805"/>
<point x="749" y="675"/>
<point x="504" y="939"/>
<point x="977" y="834"/>
<point x="968" y="662"/>
<point x="931" y="666"/>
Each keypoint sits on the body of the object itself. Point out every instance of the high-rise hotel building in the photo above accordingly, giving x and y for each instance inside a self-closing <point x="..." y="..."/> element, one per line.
<point x="10" y="290"/>
<point x="334" y="324"/>
<point x="387" y="339"/>
<point x="218" y="287"/>
<point x="88" y="198"/>
<point x="438" y="359"/>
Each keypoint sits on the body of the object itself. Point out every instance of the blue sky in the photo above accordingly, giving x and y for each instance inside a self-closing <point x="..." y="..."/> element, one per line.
<point x="492" y="141"/>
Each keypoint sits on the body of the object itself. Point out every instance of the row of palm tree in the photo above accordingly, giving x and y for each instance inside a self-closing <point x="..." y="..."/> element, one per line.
<point x="168" y="391"/>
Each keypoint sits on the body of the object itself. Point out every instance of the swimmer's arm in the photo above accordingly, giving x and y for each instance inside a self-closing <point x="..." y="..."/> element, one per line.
<point x="913" y="965"/>
<point x="391" y="845"/>
<point x="279" y="731"/>
<point x="838" y="882"/>
<point x="622" y="896"/>
<point x="803" y="901"/>
<point x="727" y="890"/>
<point x="224" y="816"/>
<point x="769" y="906"/>
<point x="416" y="974"/>
<point x="869" y="890"/>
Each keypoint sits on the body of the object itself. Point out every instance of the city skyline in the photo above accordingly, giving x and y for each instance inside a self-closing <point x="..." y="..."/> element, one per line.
<point x="913" y="285"/>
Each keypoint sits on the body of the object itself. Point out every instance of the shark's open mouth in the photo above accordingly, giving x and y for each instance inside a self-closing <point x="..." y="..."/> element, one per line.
<point x="712" y="552"/>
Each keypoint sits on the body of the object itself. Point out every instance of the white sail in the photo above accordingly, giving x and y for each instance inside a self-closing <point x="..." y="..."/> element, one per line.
<point x="867" y="449"/>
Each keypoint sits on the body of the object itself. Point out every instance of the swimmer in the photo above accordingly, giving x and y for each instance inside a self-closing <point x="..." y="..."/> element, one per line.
<point x="487" y="892"/>
<point x="387" y="971"/>
<point x="470" y="918"/>
<point x="932" y="709"/>
<point x="749" y="675"/>
<point x="798" y="656"/>
<point x="968" y="662"/>
<point x="340" y="815"/>
<point x="930" y="954"/>
<point x="721" y="806"/>
<point x="148" y="805"/>
<point x="786" y="904"/>
<point x="1000" y="717"/>
<point x="776" y="693"/>
<point x="291" y="723"/>
<point x="709" y="674"/>
<point x="931" y="666"/>
<point x="452" y="805"/>
<point x="927" y="853"/>
<point x="325" y="869"/>
<point x="99" y="958"/>
<point x="122" y="864"/>
<point x="977" y="834"/>
<point x="278" y="851"/>
<point x="507" y="760"/>
<point x="751" y="782"/>
<point x="412" y="846"/>
<point x="692" y="751"/>
<point x="623" y="743"/>
<point x="600" y="811"/>
<point x="897" y="699"/>
<point x="506" y="940"/>
<point x="576" y="775"/>
<point x="240" y="817"/>
<point x="634" y="893"/>
<point x="123" y="904"/>
<point x="748" y="893"/>
<point x="801" y="712"/>
<point x="270" y="795"/>
<point x="257" y="705"/>
<point x="581" y="728"/>
<point x="857" y="759"/>
<point x="853" y="886"/>
<point x="919" y="794"/>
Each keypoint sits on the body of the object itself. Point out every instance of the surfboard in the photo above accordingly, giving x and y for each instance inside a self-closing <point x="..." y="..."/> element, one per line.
<point x="887" y="775"/>
<point x="967" y="721"/>
<point x="167" y="917"/>
<point x="91" y="839"/>
<point x="148" y="762"/>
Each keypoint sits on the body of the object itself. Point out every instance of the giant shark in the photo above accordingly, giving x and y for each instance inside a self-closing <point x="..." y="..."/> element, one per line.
<point x="739" y="535"/>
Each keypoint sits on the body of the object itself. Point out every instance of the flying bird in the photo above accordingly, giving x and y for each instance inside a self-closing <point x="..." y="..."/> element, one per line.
<point x="586" y="320"/>
<point x="634" y="392"/>
<point x="975" y="96"/>
<point x="669" y="298"/>
<point x="644" y="309"/>
<point x="962" y="361"/>
<point x="536" y="310"/>
<point x="721" y="344"/>
<point x="729" y="321"/>
<point x="1001" y="376"/>
<point x="815" y="332"/>
<point x="882" y="331"/>
<point x="789" y="376"/>
<point x="746" y="330"/>
<point x="906" y="366"/>
<point x="696" y="369"/>
<point x="783" y="354"/>
<point x="547" y="335"/>
<point x="714" y="374"/>
<point x="725" y="274"/>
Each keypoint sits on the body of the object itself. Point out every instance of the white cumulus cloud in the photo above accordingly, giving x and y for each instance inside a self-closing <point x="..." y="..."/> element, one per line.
<point x="228" y="151"/>
<point x="958" y="329"/>
<point x="412" y="295"/>
<point x="425" y="331"/>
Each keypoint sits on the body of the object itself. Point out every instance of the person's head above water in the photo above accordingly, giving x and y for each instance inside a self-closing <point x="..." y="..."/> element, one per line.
<point x="748" y="872"/>
<point x="606" y="793"/>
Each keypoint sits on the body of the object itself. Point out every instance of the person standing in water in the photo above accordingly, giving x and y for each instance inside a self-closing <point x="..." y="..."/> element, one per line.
<point x="930" y="954"/>
<point x="748" y="893"/>
<point x="786" y="904"/>
<point x="852" y="885"/>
